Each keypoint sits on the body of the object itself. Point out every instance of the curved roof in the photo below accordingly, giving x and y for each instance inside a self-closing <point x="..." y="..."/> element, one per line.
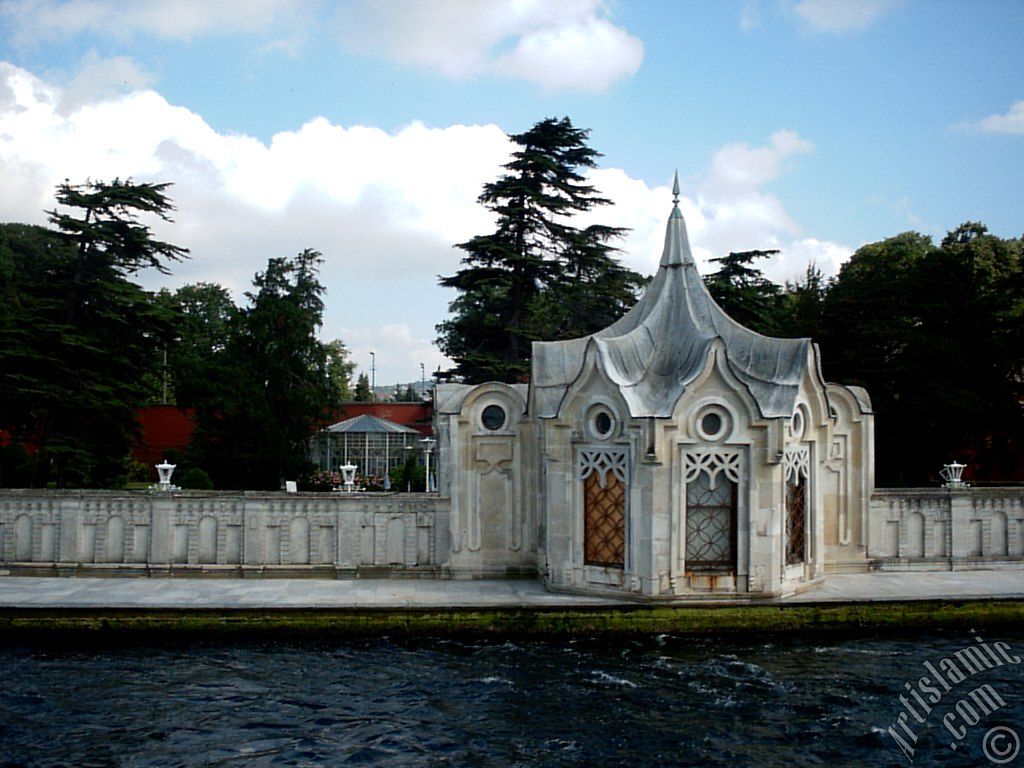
<point x="654" y="351"/>
<point x="368" y="423"/>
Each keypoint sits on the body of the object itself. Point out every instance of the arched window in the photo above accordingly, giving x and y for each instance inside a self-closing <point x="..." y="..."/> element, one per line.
<point x="712" y="481"/>
<point x="796" y="468"/>
<point x="603" y="472"/>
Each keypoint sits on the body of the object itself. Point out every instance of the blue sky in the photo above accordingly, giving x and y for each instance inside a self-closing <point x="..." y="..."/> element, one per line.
<point x="366" y="128"/>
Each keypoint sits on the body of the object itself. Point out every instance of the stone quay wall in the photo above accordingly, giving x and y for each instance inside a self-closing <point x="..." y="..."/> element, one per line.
<point x="941" y="528"/>
<point x="222" y="533"/>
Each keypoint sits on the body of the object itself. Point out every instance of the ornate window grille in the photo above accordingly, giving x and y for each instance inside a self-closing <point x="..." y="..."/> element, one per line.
<point x="796" y="466"/>
<point x="603" y="472"/>
<point x="712" y="493"/>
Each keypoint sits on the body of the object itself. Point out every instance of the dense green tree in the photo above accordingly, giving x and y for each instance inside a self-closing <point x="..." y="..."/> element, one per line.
<point x="340" y="368"/>
<point x="537" y="276"/>
<point x="746" y="295"/>
<point x="255" y="434"/>
<point x="206" y="325"/>
<point x="871" y="323"/>
<point x="971" y="319"/>
<point x="801" y="308"/>
<point x="934" y="334"/>
<point x="79" y="339"/>
<point x="411" y="475"/>
<point x="31" y="326"/>
<point x="363" y="393"/>
<point x="591" y="290"/>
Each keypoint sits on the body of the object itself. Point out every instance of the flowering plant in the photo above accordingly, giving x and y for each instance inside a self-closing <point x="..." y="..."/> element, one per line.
<point x="319" y="481"/>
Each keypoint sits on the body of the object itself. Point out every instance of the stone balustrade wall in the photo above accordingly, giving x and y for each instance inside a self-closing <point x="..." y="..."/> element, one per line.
<point x="939" y="527"/>
<point x="196" y="532"/>
<point x="235" y="533"/>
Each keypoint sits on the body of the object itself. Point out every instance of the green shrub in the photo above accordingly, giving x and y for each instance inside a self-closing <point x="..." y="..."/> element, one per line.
<point x="196" y="479"/>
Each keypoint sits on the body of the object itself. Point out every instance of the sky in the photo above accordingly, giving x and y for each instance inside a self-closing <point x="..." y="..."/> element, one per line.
<point x="366" y="129"/>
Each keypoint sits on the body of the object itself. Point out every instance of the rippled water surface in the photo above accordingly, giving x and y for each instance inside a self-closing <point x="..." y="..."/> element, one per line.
<point x="656" y="701"/>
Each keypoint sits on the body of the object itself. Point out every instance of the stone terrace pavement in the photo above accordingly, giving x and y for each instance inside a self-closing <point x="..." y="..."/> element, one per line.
<point x="147" y="594"/>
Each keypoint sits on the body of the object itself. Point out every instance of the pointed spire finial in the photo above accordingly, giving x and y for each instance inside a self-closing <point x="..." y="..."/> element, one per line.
<point x="675" y="189"/>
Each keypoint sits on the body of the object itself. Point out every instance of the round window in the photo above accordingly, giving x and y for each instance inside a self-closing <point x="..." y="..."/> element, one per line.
<point x="602" y="424"/>
<point x="711" y="424"/>
<point x="493" y="417"/>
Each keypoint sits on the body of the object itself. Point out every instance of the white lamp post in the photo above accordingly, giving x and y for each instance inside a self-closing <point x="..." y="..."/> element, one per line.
<point x="953" y="474"/>
<point x="348" y="476"/>
<point x="428" y="445"/>
<point x="165" y="469"/>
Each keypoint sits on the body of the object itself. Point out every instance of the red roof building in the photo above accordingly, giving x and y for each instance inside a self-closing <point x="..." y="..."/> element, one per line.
<point x="164" y="428"/>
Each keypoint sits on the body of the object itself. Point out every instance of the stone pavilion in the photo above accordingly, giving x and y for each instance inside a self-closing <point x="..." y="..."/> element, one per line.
<point x="674" y="453"/>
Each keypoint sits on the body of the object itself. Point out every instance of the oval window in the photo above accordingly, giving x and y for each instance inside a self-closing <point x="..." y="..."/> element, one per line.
<point x="602" y="424"/>
<point x="798" y="424"/>
<point x="493" y="417"/>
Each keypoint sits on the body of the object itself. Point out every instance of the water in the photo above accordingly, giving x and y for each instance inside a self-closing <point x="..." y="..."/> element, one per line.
<point x="658" y="701"/>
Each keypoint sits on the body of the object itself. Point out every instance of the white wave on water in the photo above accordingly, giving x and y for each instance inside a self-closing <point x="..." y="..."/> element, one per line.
<point x="603" y="677"/>
<point x="496" y="681"/>
<point x="870" y="651"/>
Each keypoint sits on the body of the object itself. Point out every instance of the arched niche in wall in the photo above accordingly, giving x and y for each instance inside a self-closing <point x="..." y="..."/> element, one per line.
<point x="114" y="539"/>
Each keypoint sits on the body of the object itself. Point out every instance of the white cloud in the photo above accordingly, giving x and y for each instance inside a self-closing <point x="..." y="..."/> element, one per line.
<point x="791" y="264"/>
<point x="39" y="20"/>
<point x="384" y="208"/>
<point x="738" y="169"/>
<point x="838" y="16"/>
<point x="99" y="78"/>
<point x="564" y="45"/>
<point x="1012" y="122"/>
<point x="726" y="209"/>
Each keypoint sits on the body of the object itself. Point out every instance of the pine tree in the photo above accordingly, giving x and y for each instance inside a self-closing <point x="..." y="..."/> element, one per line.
<point x="536" y="276"/>
<point x="77" y="349"/>
<point x="745" y="294"/>
<point x="363" y="393"/>
<point x="340" y="369"/>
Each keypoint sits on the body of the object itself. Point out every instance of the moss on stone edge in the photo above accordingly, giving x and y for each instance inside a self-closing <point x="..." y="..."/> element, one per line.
<point x="19" y="626"/>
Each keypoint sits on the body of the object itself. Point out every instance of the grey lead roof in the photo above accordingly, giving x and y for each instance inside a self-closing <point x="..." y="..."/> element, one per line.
<point x="654" y="351"/>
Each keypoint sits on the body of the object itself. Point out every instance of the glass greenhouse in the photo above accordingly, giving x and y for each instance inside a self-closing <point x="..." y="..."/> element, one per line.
<point x="373" y="444"/>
